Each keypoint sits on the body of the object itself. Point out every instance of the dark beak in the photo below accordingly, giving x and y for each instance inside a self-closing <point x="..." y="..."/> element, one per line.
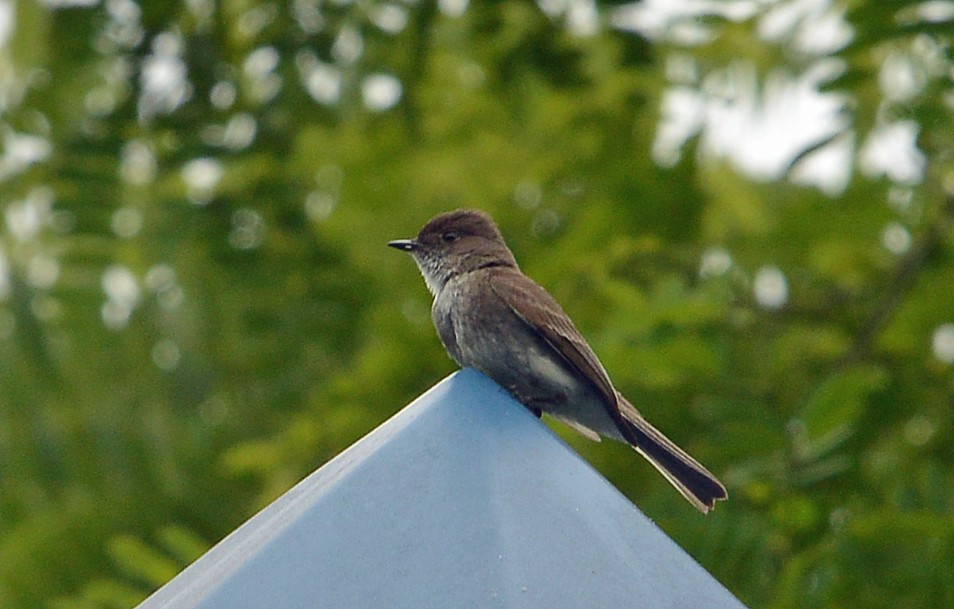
<point x="407" y="245"/>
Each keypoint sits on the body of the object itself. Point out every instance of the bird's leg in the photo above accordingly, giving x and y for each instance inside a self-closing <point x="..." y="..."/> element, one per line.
<point x="527" y="402"/>
<point x="537" y="412"/>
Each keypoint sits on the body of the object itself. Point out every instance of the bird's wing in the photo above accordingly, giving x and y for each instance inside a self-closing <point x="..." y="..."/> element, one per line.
<point x="530" y="302"/>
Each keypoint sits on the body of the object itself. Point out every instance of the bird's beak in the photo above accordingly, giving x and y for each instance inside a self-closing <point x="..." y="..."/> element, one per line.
<point x="407" y="245"/>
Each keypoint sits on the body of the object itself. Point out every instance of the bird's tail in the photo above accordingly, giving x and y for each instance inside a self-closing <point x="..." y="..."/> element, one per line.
<point x="694" y="481"/>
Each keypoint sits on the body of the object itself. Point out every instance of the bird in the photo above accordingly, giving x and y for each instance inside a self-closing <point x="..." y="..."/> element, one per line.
<point x="493" y="318"/>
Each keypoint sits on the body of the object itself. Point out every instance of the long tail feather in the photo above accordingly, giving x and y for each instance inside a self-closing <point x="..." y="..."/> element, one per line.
<point x="695" y="482"/>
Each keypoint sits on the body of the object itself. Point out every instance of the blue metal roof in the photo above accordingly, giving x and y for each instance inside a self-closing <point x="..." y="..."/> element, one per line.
<point x="463" y="499"/>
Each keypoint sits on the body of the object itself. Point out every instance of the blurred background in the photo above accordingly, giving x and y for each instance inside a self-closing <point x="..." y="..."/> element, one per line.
<point x="746" y="206"/>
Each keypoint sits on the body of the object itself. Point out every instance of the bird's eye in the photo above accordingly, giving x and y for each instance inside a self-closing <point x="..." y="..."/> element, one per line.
<point x="450" y="237"/>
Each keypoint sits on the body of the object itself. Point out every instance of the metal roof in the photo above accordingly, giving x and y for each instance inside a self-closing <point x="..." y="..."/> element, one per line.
<point x="462" y="499"/>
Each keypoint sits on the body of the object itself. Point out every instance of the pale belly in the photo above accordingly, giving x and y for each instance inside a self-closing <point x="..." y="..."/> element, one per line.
<point x="526" y="366"/>
<point x="504" y="348"/>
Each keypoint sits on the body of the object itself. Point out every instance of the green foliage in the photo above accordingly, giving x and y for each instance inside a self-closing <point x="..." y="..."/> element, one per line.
<point x="197" y="307"/>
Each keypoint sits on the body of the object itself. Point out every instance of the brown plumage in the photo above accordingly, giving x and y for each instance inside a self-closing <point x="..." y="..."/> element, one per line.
<point x="492" y="317"/>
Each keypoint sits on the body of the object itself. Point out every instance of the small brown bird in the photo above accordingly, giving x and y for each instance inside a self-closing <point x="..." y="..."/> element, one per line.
<point x="492" y="317"/>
